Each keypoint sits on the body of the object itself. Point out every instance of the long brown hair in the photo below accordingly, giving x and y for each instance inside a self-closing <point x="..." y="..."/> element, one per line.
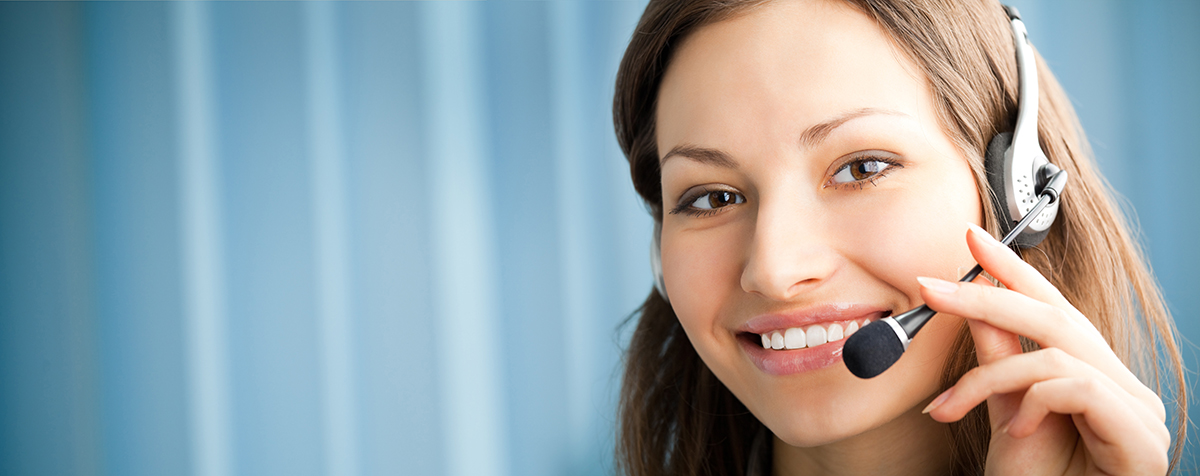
<point x="677" y="418"/>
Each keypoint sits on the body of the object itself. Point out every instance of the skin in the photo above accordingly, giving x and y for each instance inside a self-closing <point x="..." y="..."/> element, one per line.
<point x="736" y="112"/>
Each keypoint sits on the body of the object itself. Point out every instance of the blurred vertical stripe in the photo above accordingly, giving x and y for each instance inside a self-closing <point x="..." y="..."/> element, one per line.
<point x="203" y="256"/>
<point x="333" y="272"/>
<point x="51" y="401"/>
<point x="463" y="249"/>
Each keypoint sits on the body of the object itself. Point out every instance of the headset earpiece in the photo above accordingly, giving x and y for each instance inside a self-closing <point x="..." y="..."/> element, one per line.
<point x="1025" y="191"/>
<point x="1015" y="164"/>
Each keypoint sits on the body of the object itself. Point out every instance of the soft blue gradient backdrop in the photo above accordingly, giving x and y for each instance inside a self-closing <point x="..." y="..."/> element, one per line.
<point x="392" y="238"/>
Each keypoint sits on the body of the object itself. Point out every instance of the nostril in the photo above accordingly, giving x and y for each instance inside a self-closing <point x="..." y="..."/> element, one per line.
<point x="782" y="278"/>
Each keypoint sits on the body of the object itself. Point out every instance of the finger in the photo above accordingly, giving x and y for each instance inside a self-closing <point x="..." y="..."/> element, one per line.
<point x="1116" y="438"/>
<point x="1018" y="373"/>
<point x="991" y="342"/>
<point x="1048" y="325"/>
<point x="1009" y="269"/>
<point x="1006" y="309"/>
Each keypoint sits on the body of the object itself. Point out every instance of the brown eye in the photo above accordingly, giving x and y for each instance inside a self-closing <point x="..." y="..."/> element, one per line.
<point x="720" y="199"/>
<point x="859" y="170"/>
<point x="717" y="199"/>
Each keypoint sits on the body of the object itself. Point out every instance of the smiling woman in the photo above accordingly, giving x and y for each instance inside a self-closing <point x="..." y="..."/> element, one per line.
<point x="820" y="156"/>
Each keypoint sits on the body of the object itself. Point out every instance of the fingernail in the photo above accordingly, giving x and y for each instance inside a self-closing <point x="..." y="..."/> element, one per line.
<point x="983" y="234"/>
<point x="938" y="286"/>
<point x="937" y="402"/>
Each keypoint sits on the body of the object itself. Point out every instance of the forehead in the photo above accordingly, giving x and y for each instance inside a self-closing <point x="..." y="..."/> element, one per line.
<point x="780" y="68"/>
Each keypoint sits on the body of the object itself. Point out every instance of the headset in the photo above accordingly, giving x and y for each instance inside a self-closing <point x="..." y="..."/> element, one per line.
<point x="1025" y="193"/>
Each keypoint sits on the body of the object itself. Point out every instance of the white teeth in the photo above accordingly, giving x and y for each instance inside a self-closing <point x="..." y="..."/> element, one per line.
<point x="835" y="332"/>
<point x="816" y="336"/>
<point x="794" y="338"/>
<point x="797" y="338"/>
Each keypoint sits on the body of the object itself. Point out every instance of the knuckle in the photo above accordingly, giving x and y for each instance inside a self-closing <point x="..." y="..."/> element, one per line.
<point x="993" y="348"/>
<point x="1061" y="315"/>
<point x="972" y="381"/>
<point x="979" y="377"/>
<point x="972" y="375"/>
<point x="1151" y="400"/>
<point x="1156" y="406"/>
<point x="1164" y="435"/>
<point x="1055" y="358"/>
<point x="1091" y="385"/>
<point x="1035" y="390"/>
<point x="1159" y="462"/>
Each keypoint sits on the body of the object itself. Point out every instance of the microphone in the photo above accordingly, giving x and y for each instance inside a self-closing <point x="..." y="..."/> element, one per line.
<point x="878" y="345"/>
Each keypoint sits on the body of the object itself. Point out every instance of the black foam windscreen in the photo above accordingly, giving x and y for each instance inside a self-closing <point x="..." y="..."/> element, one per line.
<point x="872" y="349"/>
<point x="993" y="163"/>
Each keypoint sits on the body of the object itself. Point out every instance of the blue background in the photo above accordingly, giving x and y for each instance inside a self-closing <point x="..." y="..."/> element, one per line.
<point x="393" y="238"/>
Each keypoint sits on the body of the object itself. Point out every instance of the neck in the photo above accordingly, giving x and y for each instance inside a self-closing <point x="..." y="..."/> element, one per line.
<point x="910" y="444"/>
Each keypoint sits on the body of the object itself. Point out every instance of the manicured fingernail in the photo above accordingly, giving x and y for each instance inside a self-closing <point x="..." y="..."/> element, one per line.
<point x="937" y="402"/>
<point x="981" y="233"/>
<point x="938" y="286"/>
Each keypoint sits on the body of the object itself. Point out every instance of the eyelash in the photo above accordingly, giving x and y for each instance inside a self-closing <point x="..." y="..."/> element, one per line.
<point x="859" y="184"/>
<point x="685" y="204"/>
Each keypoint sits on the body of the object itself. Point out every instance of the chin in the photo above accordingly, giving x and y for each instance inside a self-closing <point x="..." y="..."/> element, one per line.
<point x="823" y="415"/>
<point x="829" y="405"/>
<point x="804" y="430"/>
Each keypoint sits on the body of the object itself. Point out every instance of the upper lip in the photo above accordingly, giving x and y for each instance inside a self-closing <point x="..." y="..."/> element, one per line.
<point x="831" y="312"/>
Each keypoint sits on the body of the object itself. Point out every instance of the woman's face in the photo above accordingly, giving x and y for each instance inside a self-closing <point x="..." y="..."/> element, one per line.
<point x="806" y="184"/>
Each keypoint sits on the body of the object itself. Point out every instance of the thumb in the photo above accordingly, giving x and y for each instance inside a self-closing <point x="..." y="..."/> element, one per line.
<point x="991" y="342"/>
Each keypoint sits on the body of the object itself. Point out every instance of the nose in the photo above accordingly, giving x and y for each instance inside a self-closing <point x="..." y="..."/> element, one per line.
<point x="791" y="253"/>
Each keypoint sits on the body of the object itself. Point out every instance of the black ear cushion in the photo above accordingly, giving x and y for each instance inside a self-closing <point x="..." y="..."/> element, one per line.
<point x="993" y="163"/>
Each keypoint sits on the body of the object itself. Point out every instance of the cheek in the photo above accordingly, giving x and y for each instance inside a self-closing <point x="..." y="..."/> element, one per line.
<point x="702" y="273"/>
<point x="924" y="234"/>
<point x="919" y="234"/>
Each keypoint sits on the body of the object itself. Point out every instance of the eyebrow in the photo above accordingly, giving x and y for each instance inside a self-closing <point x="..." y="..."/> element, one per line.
<point x="809" y="138"/>
<point x="703" y="155"/>
<point x="818" y="132"/>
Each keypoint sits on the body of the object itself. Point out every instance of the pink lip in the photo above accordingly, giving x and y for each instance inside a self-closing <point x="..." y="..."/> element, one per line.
<point x="786" y="362"/>
<point x="806" y="317"/>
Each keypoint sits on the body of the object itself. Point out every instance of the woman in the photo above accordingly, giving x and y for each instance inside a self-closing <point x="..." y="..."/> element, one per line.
<point x="807" y="162"/>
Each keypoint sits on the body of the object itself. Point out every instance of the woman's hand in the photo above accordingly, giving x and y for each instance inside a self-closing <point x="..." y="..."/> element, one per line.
<point x="1071" y="407"/>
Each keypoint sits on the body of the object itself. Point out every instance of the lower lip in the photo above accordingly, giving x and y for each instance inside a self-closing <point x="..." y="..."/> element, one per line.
<point x="787" y="362"/>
